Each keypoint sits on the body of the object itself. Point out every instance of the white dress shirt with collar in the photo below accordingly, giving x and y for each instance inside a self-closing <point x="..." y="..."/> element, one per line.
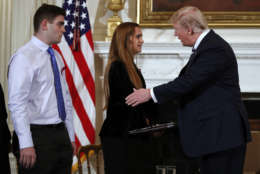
<point x="200" y="38"/>
<point x="31" y="91"/>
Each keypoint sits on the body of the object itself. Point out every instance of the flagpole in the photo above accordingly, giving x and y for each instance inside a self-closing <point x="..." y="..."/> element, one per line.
<point x="76" y="32"/>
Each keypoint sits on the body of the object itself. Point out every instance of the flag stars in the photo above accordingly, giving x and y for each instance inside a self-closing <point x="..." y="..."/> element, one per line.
<point x="70" y="35"/>
<point x="70" y="2"/>
<point x="82" y="26"/>
<point x="67" y="12"/>
<point x="84" y="15"/>
<point x="72" y="24"/>
<point x="76" y="18"/>
<point x="84" y="5"/>
<point x="65" y="22"/>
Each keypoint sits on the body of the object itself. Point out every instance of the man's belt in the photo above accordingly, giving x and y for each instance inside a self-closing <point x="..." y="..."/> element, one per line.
<point x="40" y="126"/>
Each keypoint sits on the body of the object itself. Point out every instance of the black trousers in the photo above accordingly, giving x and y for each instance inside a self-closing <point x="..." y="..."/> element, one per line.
<point x="4" y="158"/>
<point x="127" y="155"/>
<point x="225" y="162"/>
<point x="53" y="150"/>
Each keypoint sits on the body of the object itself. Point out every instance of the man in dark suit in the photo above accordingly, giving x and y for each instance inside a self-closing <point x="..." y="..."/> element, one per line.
<point x="5" y="136"/>
<point x="213" y="122"/>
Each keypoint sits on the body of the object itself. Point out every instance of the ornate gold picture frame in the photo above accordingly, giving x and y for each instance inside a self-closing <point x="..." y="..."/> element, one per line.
<point x="242" y="13"/>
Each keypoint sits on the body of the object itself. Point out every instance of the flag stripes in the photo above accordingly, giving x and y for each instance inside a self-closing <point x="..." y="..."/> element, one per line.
<point x="77" y="51"/>
<point x="81" y="113"/>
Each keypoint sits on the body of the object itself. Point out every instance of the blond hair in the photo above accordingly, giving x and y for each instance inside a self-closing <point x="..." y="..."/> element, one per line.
<point x="190" y="17"/>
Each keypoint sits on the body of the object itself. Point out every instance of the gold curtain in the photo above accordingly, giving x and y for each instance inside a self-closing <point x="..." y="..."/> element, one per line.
<point x="5" y="41"/>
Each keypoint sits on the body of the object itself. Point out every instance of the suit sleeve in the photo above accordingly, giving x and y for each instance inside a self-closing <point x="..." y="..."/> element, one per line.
<point x="2" y="106"/>
<point x="5" y="135"/>
<point x="208" y="65"/>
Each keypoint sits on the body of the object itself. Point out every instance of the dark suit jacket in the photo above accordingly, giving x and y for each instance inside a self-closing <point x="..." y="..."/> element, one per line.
<point x="120" y="117"/>
<point x="5" y="135"/>
<point x="212" y="116"/>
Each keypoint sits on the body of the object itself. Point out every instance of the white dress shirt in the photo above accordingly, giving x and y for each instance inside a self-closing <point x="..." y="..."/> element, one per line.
<point x="195" y="46"/>
<point x="31" y="91"/>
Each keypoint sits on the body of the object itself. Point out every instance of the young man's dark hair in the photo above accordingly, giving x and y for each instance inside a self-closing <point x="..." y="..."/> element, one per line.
<point x="48" y="12"/>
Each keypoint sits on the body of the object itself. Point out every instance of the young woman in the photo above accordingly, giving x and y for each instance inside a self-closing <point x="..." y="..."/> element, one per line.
<point x="124" y="153"/>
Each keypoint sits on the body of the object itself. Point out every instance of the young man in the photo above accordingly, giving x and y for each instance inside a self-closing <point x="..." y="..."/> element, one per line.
<point x="213" y="122"/>
<point x="39" y="101"/>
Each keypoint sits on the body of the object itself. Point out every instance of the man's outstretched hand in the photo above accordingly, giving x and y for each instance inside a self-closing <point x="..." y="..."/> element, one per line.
<point x="138" y="96"/>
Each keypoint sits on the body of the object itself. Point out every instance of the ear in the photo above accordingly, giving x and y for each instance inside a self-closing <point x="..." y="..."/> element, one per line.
<point x="190" y="30"/>
<point x="44" y="24"/>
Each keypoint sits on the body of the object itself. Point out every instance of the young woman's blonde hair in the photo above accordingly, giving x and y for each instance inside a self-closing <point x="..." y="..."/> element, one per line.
<point x="120" y="49"/>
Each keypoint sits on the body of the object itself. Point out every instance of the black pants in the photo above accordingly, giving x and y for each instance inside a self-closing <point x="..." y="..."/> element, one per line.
<point x="225" y="162"/>
<point x="53" y="151"/>
<point x="4" y="158"/>
<point x="127" y="155"/>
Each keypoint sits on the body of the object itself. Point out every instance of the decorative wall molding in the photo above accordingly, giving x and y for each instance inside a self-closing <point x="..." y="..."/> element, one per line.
<point x="161" y="62"/>
<point x="241" y="49"/>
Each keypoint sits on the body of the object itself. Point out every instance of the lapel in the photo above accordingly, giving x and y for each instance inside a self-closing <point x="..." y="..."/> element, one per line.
<point x="191" y="60"/>
<point x="203" y="44"/>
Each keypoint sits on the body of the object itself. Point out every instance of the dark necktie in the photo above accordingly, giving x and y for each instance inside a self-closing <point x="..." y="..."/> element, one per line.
<point x="193" y="55"/>
<point x="58" y="89"/>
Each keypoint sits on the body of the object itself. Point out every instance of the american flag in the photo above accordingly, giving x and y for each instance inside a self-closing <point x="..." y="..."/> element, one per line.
<point x="77" y="50"/>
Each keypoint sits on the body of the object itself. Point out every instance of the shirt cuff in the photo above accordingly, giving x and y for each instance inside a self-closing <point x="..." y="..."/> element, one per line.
<point x="25" y="141"/>
<point x="70" y="130"/>
<point x="153" y="96"/>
